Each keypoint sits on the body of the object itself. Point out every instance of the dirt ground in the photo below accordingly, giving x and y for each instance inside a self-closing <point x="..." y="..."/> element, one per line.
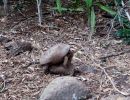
<point x="26" y="83"/>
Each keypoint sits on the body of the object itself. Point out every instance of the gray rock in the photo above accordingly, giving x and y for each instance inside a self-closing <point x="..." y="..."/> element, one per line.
<point x="65" y="88"/>
<point x="4" y="39"/>
<point x="17" y="47"/>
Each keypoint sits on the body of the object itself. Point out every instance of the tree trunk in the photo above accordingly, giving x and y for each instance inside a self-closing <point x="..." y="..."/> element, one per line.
<point x="5" y="7"/>
<point x="39" y="12"/>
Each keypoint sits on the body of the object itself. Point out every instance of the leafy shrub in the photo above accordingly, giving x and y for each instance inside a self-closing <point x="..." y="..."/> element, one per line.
<point x="115" y="8"/>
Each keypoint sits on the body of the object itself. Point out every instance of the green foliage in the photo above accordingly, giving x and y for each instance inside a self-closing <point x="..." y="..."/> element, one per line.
<point x="114" y="8"/>
<point x="19" y="5"/>
<point x="75" y="6"/>
<point x="124" y="34"/>
<point x="107" y="9"/>
<point x="76" y="3"/>
<point x="117" y="2"/>
<point x="89" y="3"/>
<point x="92" y="20"/>
<point x="58" y="4"/>
<point x="123" y="20"/>
<point x="80" y="9"/>
<point x="124" y="31"/>
<point x="91" y="14"/>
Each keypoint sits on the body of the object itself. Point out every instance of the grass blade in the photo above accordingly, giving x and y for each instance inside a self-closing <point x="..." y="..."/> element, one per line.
<point x="107" y="9"/>
<point x="58" y="4"/>
<point x="89" y="3"/>
<point x="93" y="20"/>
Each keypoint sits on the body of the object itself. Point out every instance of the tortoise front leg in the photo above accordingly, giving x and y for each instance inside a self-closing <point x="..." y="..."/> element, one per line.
<point x="68" y="59"/>
<point x="65" y="62"/>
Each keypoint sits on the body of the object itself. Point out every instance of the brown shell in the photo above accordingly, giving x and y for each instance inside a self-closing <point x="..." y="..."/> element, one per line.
<point x="55" y="54"/>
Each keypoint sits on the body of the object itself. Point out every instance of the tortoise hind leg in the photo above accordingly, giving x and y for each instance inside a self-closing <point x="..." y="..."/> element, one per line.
<point x="61" y="70"/>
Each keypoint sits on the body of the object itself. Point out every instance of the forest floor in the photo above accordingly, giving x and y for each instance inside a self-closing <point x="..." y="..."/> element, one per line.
<point x="26" y="83"/>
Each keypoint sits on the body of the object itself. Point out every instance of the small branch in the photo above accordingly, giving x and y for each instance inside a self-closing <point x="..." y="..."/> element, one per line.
<point x="2" y="88"/>
<point x="113" y="84"/>
<point x="5" y="6"/>
<point x="112" y="55"/>
<point x="126" y="11"/>
<point x="22" y="13"/>
<point x="18" y="22"/>
<point x="39" y="12"/>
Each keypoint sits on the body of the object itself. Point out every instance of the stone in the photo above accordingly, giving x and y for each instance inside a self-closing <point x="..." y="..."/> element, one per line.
<point x="65" y="88"/>
<point x="4" y="39"/>
<point x="17" y="47"/>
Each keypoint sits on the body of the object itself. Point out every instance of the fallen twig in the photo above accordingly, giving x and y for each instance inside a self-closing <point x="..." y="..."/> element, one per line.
<point x="2" y="87"/>
<point x="126" y="11"/>
<point x="112" y="55"/>
<point x="22" y="13"/>
<point x="113" y="84"/>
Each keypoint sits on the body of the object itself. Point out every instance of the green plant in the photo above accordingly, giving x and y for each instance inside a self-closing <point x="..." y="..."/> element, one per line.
<point x="123" y="31"/>
<point x="115" y="8"/>
<point x="86" y="5"/>
<point x="91" y="15"/>
<point x="58" y="4"/>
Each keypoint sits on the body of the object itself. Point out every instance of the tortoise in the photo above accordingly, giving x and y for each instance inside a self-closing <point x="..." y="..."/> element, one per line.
<point x="56" y="59"/>
<point x="56" y="55"/>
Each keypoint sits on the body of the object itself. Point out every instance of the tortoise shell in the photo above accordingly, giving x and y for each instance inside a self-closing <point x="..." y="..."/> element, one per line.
<point x="55" y="54"/>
